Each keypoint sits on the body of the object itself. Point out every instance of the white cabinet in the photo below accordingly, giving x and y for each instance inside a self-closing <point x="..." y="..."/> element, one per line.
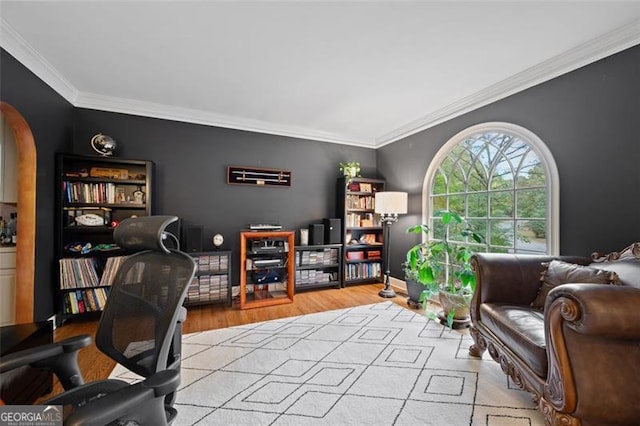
<point x="7" y="285"/>
<point x="8" y="164"/>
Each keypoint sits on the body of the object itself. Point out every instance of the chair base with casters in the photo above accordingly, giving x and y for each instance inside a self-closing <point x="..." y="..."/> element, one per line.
<point x="139" y="328"/>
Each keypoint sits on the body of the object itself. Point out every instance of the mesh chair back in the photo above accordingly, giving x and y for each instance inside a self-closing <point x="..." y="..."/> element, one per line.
<point x="147" y="293"/>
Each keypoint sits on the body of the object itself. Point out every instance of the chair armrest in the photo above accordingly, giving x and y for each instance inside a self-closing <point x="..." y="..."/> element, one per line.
<point x="142" y="402"/>
<point x="597" y="309"/>
<point x="28" y="356"/>
<point x="41" y="354"/>
<point x="59" y="357"/>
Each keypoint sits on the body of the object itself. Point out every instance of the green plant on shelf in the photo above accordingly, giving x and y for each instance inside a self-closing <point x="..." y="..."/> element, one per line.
<point x="350" y="169"/>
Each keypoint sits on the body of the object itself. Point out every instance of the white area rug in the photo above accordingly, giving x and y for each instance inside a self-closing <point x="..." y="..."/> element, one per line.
<point x="377" y="364"/>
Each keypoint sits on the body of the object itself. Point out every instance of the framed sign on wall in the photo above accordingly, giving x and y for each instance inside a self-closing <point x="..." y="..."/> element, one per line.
<point x="242" y="175"/>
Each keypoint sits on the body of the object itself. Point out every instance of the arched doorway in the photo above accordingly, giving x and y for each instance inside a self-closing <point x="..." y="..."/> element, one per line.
<point x="26" y="244"/>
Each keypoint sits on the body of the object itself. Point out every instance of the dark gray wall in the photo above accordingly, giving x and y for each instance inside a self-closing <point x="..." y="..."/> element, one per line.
<point x="50" y="118"/>
<point x="589" y="119"/>
<point x="191" y="165"/>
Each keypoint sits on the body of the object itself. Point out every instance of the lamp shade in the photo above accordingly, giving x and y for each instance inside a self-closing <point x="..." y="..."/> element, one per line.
<point x="390" y="202"/>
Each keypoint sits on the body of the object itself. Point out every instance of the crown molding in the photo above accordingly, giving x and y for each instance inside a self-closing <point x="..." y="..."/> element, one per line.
<point x="188" y="115"/>
<point x="14" y="44"/>
<point x="586" y="53"/>
<point x="18" y="47"/>
<point x="608" y="44"/>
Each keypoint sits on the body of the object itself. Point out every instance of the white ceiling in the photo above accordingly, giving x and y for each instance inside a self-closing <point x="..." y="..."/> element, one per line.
<point x="360" y="73"/>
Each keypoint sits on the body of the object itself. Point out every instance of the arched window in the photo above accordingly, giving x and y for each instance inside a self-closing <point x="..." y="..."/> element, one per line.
<point x="503" y="179"/>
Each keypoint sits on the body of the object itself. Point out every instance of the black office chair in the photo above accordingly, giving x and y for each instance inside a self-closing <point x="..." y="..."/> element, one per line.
<point x="139" y="328"/>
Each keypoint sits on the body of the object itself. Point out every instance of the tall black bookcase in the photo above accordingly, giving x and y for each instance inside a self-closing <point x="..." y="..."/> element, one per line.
<point x="93" y="194"/>
<point x="362" y="232"/>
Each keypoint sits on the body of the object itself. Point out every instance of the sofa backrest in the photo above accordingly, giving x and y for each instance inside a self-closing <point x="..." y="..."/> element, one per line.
<point x="625" y="263"/>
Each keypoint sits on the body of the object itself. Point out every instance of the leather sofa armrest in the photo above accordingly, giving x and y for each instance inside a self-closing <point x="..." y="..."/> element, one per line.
<point x="597" y="309"/>
<point x="591" y="331"/>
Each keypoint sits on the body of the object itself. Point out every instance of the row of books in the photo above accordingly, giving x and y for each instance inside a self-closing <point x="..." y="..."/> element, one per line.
<point x="361" y="271"/>
<point x="213" y="263"/>
<point x="83" y="272"/>
<point x="110" y="269"/>
<point x="89" y="300"/>
<point x="78" y="273"/>
<point x="208" y="287"/>
<point x="328" y="256"/>
<point x="100" y="193"/>
<point x="362" y="220"/>
<point x="313" y="276"/>
<point x="361" y="202"/>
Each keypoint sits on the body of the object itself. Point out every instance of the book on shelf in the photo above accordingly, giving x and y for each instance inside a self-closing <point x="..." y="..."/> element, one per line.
<point x="73" y="302"/>
<point x="101" y="295"/>
<point x="80" y="301"/>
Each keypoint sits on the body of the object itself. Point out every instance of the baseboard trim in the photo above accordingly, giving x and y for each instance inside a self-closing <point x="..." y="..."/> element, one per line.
<point x="399" y="286"/>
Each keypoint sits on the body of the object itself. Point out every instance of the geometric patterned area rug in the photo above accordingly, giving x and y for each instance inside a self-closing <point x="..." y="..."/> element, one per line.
<point x="378" y="364"/>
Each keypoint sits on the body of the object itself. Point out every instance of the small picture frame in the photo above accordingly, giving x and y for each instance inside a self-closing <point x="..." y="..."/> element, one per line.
<point x="121" y="196"/>
<point x="365" y="187"/>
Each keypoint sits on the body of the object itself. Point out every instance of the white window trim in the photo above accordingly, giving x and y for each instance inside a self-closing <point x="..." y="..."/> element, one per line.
<point x="536" y="144"/>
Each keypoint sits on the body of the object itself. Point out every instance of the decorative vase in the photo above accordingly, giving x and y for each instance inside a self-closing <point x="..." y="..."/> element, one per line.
<point x="454" y="302"/>
<point x="414" y="290"/>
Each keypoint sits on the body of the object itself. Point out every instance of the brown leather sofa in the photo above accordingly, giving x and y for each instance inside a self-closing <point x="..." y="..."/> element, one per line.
<point x="580" y="356"/>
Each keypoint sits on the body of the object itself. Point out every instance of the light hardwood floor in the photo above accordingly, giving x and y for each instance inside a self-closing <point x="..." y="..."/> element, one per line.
<point x="97" y="366"/>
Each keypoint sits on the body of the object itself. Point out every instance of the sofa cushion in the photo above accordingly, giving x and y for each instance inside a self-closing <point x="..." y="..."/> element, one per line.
<point x="628" y="270"/>
<point x="521" y="329"/>
<point x="557" y="272"/>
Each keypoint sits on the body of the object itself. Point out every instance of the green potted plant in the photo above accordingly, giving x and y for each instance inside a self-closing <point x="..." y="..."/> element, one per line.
<point x="350" y="169"/>
<point x="442" y="267"/>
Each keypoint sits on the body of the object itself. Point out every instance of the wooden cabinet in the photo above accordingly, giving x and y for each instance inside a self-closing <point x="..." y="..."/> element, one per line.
<point x="93" y="195"/>
<point x="8" y="164"/>
<point x="266" y="268"/>
<point x="318" y="266"/>
<point x="212" y="282"/>
<point x="7" y="285"/>
<point x="362" y="229"/>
